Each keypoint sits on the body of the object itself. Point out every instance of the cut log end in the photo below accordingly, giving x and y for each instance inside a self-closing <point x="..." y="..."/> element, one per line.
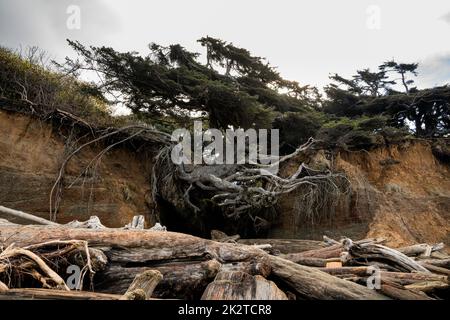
<point x="143" y="285"/>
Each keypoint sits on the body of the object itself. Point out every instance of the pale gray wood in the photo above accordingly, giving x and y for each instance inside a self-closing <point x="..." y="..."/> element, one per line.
<point x="8" y="213"/>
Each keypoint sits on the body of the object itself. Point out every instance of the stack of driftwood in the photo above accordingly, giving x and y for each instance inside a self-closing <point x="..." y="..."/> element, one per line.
<point x="89" y="261"/>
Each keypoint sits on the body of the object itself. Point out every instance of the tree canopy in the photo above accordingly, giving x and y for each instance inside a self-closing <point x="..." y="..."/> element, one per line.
<point x="171" y="86"/>
<point x="233" y="88"/>
<point x="425" y="112"/>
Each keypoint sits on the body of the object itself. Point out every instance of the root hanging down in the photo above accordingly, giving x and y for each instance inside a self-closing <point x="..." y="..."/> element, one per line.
<point x="236" y="190"/>
<point x="146" y="132"/>
<point x="243" y="189"/>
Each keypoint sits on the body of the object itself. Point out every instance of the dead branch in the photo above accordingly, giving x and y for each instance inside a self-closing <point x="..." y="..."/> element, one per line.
<point x="12" y="252"/>
<point x="22" y="216"/>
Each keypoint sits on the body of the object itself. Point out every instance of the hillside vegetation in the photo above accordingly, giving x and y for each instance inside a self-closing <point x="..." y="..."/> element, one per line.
<point x="170" y="87"/>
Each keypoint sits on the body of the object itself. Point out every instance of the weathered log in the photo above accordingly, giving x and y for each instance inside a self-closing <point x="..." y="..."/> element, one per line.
<point x="48" y="294"/>
<point x="437" y="255"/>
<point x="427" y="286"/>
<point x="181" y="280"/>
<point x="332" y="251"/>
<point x="137" y="294"/>
<point x="220" y="236"/>
<point x="398" y="292"/>
<point x="310" y="282"/>
<point x="420" y="249"/>
<point x="435" y="269"/>
<point x="144" y="283"/>
<point x="285" y="246"/>
<point x="367" y="253"/>
<point x="97" y="259"/>
<point x="402" y="278"/>
<point x="443" y="263"/>
<point x="253" y="268"/>
<point x="6" y="222"/>
<point x="237" y="285"/>
<point x="22" y="217"/>
<point x="309" y="261"/>
<point x="327" y="252"/>
<point x="405" y="278"/>
<point x="142" y="248"/>
<point x="92" y="223"/>
<point x="357" y="271"/>
<point x="329" y="241"/>
<point x="138" y="222"/>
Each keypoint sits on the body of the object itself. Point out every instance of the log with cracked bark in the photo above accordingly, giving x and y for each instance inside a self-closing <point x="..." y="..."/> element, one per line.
<point x="403" y="278"/>
<point x="285" y="246"/>
<point x="146" y="249"/>
<point x="181" y="280"/>
<point x="48" y="294"/>
<point x="398" y="292"/>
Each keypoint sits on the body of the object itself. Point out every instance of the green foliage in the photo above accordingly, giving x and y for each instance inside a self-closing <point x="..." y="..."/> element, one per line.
<point x="296" y="128"/>
<point x="370" y="94"/>
<point x="374" y="124"/>
<point x="43" y="90"/>
<point x="170" y="87"/>
<point x="234" y="88"/>
<point x="358" y="139"/>
<point x="392" y="135"/>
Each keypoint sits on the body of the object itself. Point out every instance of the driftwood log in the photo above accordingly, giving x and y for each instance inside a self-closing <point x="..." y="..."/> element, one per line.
<point x="422" y="249"/>
<point x="143" y="285"/>
<point x="398" y="292"/>
<point x="403" y="278"/>
<point x="237" y="285"/>
<point x="285" y="246"/>
<point x="181" y="280"/>
<point x="427" y="286"/>
<point x="50" y="294"/>
<point x="23" y="217"/>
<point x="367" y="253"/>
<point x="127" y="249"/>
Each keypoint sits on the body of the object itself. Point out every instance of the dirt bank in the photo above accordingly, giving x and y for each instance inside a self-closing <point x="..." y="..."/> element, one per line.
<point x="31" y="152"/>
<point x="400" y="192"/>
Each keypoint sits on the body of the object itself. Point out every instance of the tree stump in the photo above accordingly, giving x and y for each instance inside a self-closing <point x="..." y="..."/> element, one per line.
<point x="143" y="285"/>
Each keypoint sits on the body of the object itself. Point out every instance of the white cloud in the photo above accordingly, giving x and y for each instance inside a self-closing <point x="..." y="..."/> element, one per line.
<point x="434" y="71"/>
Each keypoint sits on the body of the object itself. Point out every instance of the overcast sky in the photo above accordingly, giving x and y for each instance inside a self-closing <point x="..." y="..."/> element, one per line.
<point x="306" y="40"/>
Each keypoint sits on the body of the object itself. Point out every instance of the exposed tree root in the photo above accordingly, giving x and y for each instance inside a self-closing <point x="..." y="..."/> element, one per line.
<point x="236" y="190"/>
